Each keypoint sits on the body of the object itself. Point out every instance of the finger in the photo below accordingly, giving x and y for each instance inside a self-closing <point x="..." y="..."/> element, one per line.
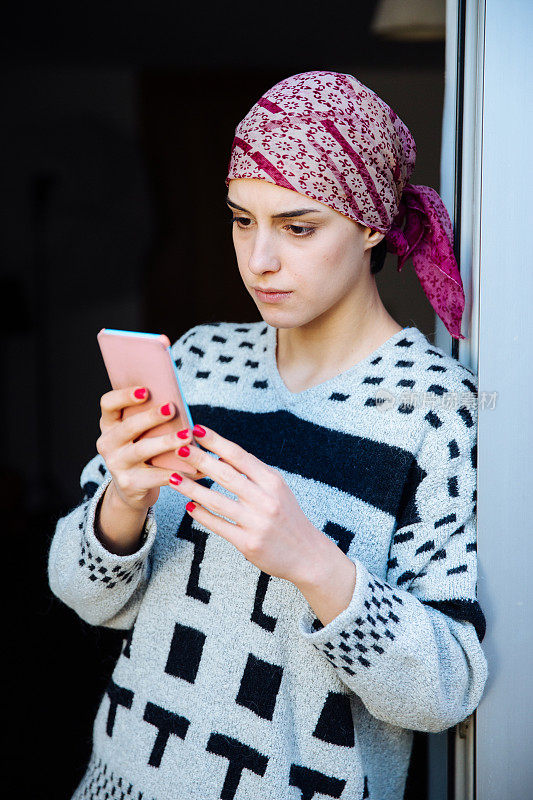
<point x="141" y="479"/>
<point x="210" y="499"/>
<point x="137" y="424"/>
<point x="146" y="448"/>
<point x="233" y="454"/>
<point x="232" y="532"/>
<point x="222" y="472"/>
<point x="112" y="403"/>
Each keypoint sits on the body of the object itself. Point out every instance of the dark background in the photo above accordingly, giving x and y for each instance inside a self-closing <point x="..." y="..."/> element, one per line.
<point x="118" y="123"/>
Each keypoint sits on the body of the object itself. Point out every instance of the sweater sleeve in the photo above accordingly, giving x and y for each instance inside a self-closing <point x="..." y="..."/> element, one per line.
<point x="410" y="645"/>
<point x="103" y="588"/>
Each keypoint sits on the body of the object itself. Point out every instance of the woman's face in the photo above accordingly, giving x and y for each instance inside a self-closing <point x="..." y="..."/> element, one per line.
<point x="319" y="258"/>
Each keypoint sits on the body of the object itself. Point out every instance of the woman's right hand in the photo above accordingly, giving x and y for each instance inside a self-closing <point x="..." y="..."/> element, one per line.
<point x="135" y="482"/>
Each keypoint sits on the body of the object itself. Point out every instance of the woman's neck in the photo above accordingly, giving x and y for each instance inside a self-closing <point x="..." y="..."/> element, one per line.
<point x="311" y="354"/>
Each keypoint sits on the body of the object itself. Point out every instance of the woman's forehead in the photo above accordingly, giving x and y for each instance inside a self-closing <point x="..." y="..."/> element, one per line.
<point x="271" y="196"/>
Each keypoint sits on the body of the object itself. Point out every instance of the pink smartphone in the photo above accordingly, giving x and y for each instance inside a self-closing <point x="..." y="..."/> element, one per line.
<point x="144" y="359"/>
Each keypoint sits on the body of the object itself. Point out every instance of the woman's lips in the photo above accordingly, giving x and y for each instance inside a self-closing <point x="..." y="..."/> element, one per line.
<point x="271" y="297"/>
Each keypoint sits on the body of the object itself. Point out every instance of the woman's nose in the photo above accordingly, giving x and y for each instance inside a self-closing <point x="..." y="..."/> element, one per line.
<point x="263" y="257"/>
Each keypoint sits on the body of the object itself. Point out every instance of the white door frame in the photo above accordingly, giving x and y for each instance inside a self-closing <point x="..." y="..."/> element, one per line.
<point x="491" y="756"/>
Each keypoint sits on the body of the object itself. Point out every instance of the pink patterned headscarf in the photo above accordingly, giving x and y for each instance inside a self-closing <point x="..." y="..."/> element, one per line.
<point x="327" y="136"/>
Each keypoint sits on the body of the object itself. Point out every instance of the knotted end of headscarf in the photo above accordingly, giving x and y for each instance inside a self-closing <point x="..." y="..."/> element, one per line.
<point x="422" y="230"/>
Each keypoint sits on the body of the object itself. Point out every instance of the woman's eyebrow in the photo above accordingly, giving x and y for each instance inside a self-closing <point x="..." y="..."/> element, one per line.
<point x="297" y="212"/>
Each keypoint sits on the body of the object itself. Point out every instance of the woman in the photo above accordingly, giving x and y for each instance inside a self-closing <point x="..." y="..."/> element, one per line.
<point x="315" y="600"/>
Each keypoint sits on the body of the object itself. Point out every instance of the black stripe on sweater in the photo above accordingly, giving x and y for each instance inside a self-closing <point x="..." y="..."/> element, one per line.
<point x="384" y="476"/>
<point x="462" y="610"/>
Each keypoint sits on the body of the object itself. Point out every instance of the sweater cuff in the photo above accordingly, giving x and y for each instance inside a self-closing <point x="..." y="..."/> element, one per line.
<point x="360" y="634"/>
<point x="102" y="565"/>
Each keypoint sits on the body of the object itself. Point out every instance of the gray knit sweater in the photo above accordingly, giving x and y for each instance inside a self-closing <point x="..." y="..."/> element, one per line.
<point x="227" y="685"/>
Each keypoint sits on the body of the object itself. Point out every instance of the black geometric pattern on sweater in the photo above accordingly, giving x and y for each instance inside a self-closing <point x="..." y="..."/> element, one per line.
<point x="404" y="342"/>
<point x="366" y="793"/>
<point x="89" y="488"/>
<point x="373" y="631"/>
<point x="258" y="615"/>
<point x="406" y="408"/>
<point x="434" y="352"/>
<point x="457" y="570"/>
<point x="335" y="724"/>
<point x="373" y="402"/>
<point x="473" y="455"/>
<point x="407" y="512"/>
<point x="469" y="385"/>
<point x="118" y="696"/>
<point x="404" y="536"/>
<point x="167" y="723"/>
<point x="406" y="577"/>
<point x="345" y="460"/>
<point x="127" y="643"/>
<point x="453" y="486"/>
<point x="97" y="571"/>
<point x="426" y="547"/>
<point x="453" y="447"/>
<point x="198" y="538"/>
<point x="338" y="396"/>
<point x="433" y="419"/>
<point x="462" y="610"/>
<point x="342" y="536"/>
<point x="101" y="783"/>
<point x="466" y="416"/>
<point x="259" y="686"/>
<point x="240" y="756"/>
<point x="312" y="782"/>
<point x="405" y="383"/>
<point x="437" y="389"/>
<point x="185" y="652"/>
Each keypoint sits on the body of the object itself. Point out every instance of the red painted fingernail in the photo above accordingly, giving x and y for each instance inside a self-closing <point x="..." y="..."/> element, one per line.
<point x="183" y="434"/>
<point x="140" y="393"/>
<point x="175" y="478"/>
<point x="198" y="430"/>
<point x="184" y="451"/>
<point x="166" y="410"/>
<point x="190" y="506"/>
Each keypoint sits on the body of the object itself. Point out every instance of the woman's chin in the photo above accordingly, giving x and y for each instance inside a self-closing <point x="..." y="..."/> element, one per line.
<point x="279" y="317"/>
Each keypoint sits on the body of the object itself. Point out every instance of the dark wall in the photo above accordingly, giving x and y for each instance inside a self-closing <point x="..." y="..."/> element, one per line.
<point x="113" y="160"/>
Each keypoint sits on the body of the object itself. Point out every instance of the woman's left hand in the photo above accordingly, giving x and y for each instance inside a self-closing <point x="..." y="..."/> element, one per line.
<point x="268" y="526"/>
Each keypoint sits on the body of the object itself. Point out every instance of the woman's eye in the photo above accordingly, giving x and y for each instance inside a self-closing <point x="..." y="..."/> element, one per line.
<point x="300" y="230"/>
<point x="240" y="220"/>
